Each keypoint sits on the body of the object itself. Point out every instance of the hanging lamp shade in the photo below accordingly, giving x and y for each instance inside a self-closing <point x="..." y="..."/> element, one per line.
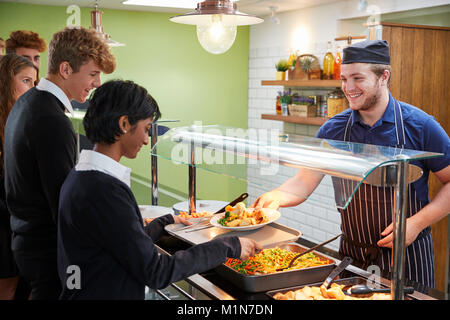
<point x="96" y="24"/>
<point x="216" y="22"/>
<point x="206" y="9"/>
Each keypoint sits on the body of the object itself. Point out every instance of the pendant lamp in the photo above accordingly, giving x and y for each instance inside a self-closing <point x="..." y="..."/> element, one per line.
<point x="96" y="24"/>
<point x="216" y="22"/>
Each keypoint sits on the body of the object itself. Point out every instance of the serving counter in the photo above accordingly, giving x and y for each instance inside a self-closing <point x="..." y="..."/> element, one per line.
<point x="234" y="151"/>
<point x="210" y="285"/>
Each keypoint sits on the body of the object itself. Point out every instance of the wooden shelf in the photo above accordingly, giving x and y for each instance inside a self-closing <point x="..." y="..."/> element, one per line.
<point x="303" y="83"/>
<point x="316" y="121"/>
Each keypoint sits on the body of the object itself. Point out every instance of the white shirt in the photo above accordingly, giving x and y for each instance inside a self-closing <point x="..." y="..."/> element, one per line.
<point x="47" y="85"/>
<point x="93" y="160"/>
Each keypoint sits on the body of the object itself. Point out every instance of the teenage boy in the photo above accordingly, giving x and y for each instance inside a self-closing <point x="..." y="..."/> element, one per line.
<point x="27" y="44"/>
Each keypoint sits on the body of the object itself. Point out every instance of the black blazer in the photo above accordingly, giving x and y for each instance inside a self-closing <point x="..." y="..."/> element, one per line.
<point x="40" y="151"/>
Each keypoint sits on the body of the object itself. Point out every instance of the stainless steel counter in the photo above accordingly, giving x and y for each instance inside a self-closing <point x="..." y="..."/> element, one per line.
<point x="211" y="286"/>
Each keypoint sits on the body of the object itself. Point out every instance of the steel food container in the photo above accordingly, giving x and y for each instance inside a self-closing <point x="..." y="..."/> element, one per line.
<point x="345" y="281"/>
<point x="280" y="279"/>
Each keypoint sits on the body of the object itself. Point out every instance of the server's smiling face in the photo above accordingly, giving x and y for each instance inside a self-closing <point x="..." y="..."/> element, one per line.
<point x="361" y="86"/>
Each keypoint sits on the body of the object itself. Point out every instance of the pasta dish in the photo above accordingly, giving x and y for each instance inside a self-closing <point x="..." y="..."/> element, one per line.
<point x="269" y="260"/>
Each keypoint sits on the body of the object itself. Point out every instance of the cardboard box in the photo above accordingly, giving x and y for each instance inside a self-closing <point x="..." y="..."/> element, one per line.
<point x="301" y="110"/>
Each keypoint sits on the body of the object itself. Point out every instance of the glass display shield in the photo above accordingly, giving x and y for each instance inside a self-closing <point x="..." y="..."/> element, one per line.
<point x="257" y="156"/>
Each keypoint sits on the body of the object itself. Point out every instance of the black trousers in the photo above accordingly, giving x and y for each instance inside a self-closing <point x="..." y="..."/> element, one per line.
<point x="39" y="269"/>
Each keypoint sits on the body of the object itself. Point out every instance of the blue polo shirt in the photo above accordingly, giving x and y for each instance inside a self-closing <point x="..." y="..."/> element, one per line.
<point x="422" y="132"/>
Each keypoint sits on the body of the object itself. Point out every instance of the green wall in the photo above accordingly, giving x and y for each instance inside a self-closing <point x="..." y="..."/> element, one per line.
<point x="188" y="83"/>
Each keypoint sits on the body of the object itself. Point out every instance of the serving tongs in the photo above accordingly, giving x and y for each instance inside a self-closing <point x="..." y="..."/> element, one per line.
<point x="308" y="251"/>
<point x="364" y="289"/>
<point x="336" y="271"/>
<point x="241" y="198"/>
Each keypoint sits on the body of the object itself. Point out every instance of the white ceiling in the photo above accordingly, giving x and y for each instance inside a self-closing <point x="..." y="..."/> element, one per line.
<point x="256" y="7"/>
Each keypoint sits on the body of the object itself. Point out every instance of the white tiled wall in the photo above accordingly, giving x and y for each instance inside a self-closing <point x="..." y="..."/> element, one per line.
<point x="317" y="218"/>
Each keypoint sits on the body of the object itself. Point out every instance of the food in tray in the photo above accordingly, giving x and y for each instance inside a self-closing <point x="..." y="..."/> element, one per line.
<point x="269" y="260"/>
<point x="240" y="216"/>
<point x="147" y="221"/>
<point x="321" y="293"/>
<point x="202" y="214"/>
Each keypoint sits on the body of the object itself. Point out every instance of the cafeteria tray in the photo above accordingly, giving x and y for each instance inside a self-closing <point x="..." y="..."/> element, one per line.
<point x="345" y="281"/>
<point x="280" y="279"/>
<point x="268" y="236"/>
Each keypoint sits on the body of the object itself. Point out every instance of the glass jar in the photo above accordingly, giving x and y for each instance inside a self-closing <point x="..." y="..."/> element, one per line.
<point x="335" y="103"/>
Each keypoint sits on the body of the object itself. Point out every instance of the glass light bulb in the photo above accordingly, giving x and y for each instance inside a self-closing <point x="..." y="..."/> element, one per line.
<point x="216" y="37"/>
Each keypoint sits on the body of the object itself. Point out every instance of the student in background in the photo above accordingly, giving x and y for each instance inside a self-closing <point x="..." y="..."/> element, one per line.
<point x="27" y="44"/>
<point x="17" y="76"/>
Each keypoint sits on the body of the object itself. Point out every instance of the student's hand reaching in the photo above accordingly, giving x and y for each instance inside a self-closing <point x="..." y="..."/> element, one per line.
<point x="178" y="219"/>
<point x="249" y="248"/>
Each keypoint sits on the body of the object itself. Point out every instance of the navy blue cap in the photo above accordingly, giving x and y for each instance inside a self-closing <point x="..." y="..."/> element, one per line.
<point x="369" y="51"/>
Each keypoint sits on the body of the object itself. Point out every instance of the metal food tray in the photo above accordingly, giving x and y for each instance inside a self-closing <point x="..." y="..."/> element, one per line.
<point x="268" y="236"/>
<point x="345" y="281"/>
<point x="281" y="279"/>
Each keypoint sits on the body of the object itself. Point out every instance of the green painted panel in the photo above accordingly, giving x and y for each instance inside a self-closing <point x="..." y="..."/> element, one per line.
<point x="188" y="83"/>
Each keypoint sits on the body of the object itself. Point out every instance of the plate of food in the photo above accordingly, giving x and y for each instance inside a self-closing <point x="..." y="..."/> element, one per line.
<point x="240" y="218"/>
<point x="195" y="215"/>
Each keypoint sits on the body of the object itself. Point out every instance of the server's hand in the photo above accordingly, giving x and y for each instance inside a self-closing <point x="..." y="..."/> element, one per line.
<point x="269" y="199"/>
<point x="412" y="231"/>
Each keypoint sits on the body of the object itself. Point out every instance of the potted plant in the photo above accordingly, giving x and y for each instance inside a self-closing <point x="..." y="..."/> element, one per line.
<point x="310" y="66"/>
<point x="281" y="66"/>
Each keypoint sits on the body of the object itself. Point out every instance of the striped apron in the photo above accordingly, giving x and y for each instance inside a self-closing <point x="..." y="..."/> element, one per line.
<point x="371" y="210"/>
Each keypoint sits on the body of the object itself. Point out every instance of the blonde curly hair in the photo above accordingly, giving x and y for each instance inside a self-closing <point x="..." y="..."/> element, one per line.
<point x="77" y="46"/>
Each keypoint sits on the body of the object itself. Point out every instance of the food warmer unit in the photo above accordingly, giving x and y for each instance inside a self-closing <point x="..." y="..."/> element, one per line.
<point x="234" y="152"/>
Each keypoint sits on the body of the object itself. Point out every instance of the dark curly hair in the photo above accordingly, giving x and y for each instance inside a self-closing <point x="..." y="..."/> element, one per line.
<point x="112" y="100"/>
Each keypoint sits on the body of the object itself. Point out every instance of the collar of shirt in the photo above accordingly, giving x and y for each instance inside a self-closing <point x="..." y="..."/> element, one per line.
<point x="388" y="115"/>
<point x="93" y="160"/>
<point x="47" y="85"/>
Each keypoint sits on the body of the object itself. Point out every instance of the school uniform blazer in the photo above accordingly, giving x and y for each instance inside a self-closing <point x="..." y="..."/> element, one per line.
<point x="40" y="150"/>
<point x="104" y="251"/>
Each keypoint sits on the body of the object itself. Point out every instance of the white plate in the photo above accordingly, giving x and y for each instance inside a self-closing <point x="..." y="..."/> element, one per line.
<point x="271" y="214"/>
<point x="154" y="211"/>
<point x="200" y="205"/>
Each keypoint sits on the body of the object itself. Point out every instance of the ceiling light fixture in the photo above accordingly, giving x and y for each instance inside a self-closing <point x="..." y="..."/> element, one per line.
<point x="96" y="24"/>
<point x="273" y="16"/>
<point x="216" y="22"/>
<point x="184" y="4"/>
<point x="362" y="5"/>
